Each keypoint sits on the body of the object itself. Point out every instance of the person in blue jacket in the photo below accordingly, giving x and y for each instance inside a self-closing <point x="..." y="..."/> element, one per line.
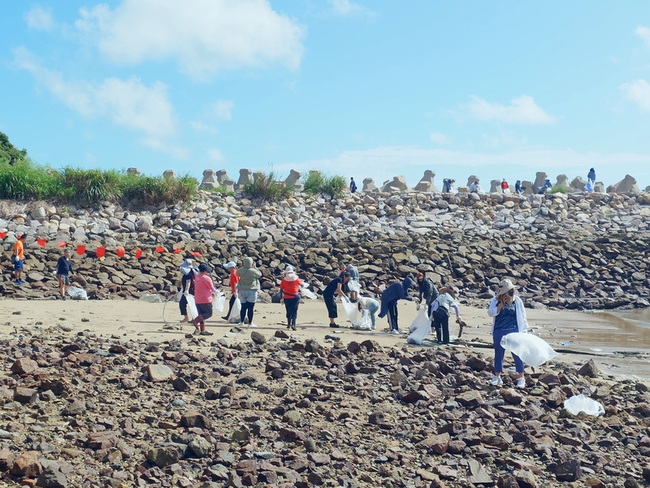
<point x="389" y="298"/>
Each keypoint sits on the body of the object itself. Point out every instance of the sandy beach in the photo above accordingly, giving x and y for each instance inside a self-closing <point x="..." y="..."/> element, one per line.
<point x="618" y="347"/>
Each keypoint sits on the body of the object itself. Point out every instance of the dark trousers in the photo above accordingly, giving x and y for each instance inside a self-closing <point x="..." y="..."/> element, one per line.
<point x="291" y="304"/>
<point x="392" y="315"/>
<point x="230" y="304"/>
<point x="440" y="322"/>
<point x="183" y="305"/>
<point x="247" y="311"/>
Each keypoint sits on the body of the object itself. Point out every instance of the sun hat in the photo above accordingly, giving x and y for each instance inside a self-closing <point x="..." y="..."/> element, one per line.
<point x="230" y="264"/>
<point x="204" y="267"/>
<point x="452" y="290"/>
<point x="186" y="266"/>
<point x="504" y="287"/>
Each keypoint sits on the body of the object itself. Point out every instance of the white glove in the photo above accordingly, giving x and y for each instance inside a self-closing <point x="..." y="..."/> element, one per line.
<point x="417" y="306"/>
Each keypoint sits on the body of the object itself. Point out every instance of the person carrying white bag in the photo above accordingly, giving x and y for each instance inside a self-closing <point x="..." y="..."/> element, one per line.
<point x="509" y="316"/>
<point x="234" y="279"/>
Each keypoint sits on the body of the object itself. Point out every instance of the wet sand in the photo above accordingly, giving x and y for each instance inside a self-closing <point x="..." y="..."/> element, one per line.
<point x="618" y="342"/>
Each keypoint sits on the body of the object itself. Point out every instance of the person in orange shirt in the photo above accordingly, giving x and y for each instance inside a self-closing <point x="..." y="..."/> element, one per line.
<point x="291" y="295"/>
<point x="234" y="279"/>
<point x="19" y="258"/>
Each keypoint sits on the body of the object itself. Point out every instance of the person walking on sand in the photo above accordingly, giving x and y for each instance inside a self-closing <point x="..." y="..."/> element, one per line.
<point x="203" y="291"/>
<point x="389" y="298"/>
<point x="63" y="270"/>
<point x="439" y="313"/>
<point x="248" y="287"/>
<point x="335" y="287"/>
<point x="19" y="259"/>
<point x="290" y="287"/>
<point x="509" y="316"/>
<point x="188" y="274"/>
<point x="371" y="305"/>
<point x="234" y="279"/>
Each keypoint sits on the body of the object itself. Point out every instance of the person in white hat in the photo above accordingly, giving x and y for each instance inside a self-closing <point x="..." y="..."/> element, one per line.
<point x="234" y="279"/>
<point x="189" y="272"/>
<point x="509" y="316"/>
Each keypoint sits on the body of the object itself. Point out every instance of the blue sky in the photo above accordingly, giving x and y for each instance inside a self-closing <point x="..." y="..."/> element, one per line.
<point x="497" y="89"/>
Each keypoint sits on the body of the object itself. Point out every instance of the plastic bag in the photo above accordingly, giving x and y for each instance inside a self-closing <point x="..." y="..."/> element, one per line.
<point x="350" y="309"/>
<point x="151" y="298"/>
<point x="77" y="293"/>
<point x="219" y="301"/>
<point x="581" y="403"/>
<point x="531" y="349"/>
<point x="191" y="306"/>
<point x="354" y="285"/>
<point x="359" y="323"/>
<point x="420" y="333"/>
<point x="420" y="319"/>
<point x="307" y="293"/>
<point x="235" y="313"/>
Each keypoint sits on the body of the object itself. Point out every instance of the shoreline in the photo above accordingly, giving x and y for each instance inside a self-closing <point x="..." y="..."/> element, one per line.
<point x="577" y="336"/>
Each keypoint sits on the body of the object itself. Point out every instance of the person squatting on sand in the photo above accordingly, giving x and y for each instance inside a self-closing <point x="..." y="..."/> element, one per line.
<point x="248" y="286"/>
<point x="188" y="273"/>
<point x="203" y="291"/>
<point x="427" y="289"/>
<point x="509" y="315"/>
<point x="335" y="287"/>
<point x="439" y="313"/>
<point x="63" y="270"/>
<point x="234" y="279"/>
<point x="291" y="295"/>
<point x="372" y="306"/>
<point x="390" y="296"/>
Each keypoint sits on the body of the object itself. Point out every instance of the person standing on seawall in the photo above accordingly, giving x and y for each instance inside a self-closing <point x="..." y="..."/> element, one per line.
<point x="509" y="316"/>
<point x="353" y="186"/>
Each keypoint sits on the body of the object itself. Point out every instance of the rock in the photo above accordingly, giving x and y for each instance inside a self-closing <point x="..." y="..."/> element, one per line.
<point x="195" y="419"/>
<point x="200" y="446"/>
<point x="209" y="181"/>
<point x="258" y="338"/>
<point x="159" y="372"/>
<point x="437" y="443"/>
<point x="26" y="465"/>
<point x="568" y="471"/>
<point x="589" y="369"/>
<point x="163" y="456"/>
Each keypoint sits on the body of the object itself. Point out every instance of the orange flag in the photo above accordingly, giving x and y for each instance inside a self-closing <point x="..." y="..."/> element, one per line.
<point x="41" y="242"/>
<point x="2" y="235"/>
<point x="196" y="253"/>
<point x="120" y="252"/>
<point x="81" y="249"/>
<point x="160" y="249"/>
<point x="138" y="254"/>
<point x="177" y="251"/>
<point x="62" y="244"/>
<point x="101" y="252"/>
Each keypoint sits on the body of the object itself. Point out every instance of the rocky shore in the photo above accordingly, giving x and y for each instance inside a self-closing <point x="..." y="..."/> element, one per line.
<point x="576" y="250"/>
<point x="80" y="410"/>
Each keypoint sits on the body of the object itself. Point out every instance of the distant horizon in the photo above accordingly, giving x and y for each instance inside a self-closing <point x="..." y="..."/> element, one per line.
<point x="350" y="87"/>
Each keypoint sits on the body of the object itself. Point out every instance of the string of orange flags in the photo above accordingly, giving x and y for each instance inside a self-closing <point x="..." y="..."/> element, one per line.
<point x="100" y="252"/>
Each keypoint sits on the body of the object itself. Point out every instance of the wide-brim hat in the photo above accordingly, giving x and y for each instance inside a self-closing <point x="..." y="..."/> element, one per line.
<point x="504" y="287"/>
<point x="230" y="264"/>
<point x="452" y="290"/>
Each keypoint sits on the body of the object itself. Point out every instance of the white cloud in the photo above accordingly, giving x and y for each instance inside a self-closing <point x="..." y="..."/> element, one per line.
<point x="202" y="36"/>
<point x="223" y="109"/>
<point x="215" y="155"/>
<point x="346" y="8"/>
<point x="160" y="145"/>
<point x="638" y="92"/>
<point x="40" y="18"/>
<point x="439" y="138"/>
<point x="199" y="126"/>
<point x="128" y="103"/>
<point x="522" y="110"/>
<point x="643" y="33"/>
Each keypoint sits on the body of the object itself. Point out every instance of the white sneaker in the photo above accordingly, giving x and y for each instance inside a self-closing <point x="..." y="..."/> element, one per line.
<point x="252" y="325"/>
<point x="394" y="332"/>
<point x="240" y="324"/>
<point x="521" y="383"/>
<point x="496" y="381"/>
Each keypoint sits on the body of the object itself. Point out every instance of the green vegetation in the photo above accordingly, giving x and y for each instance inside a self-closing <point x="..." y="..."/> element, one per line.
<point x="560" y="189"/>
<point x="315" y="182"/>
<point x="266" y="187"/>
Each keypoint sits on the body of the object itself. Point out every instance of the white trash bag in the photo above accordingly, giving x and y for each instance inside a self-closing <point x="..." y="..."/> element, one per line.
<point x="350" y="309"/>
<point x="219" y="301"/>
<point x="235" y="313"/>
<point x="306" y="292"/>
<point x="418" y="335"/>
<point x="581" y="403"/>
<point x="358" y="323"/>
<point x="420" y="319"/>
<point x="191" y="305"/>
<point x="77" y="293"/>
<point x="532" y="350"/>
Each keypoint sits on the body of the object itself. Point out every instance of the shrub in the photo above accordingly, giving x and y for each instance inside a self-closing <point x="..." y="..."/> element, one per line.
<point x="331" y="185"/>
<point x="25" y="181"/>
<point x="154" y="190"/>
<point x="313" y="183"/>
<point x="559" y="189"/>
<point x="267" y="187"/>
<point x="88" y="186"/>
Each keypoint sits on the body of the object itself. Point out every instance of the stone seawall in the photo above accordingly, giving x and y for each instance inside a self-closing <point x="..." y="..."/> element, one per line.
<point x="581" y="250"/>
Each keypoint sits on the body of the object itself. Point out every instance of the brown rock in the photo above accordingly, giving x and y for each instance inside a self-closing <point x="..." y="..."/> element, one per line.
<point x="195" y="419"/>
<point x="24" y="366"/>
<point x="437" y="443"/>
<point x="589" y="369"/>
<point x="27" y="465"/>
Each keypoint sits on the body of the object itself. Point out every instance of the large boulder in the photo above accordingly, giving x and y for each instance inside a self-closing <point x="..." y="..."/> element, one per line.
<point x="225" y="181"/>
<point x="495" y="186"/>
<point x="293" y="180"/>
<point x="540" y="179"/>
<point x="210" y="181"/>
<point x="245" y="177"/>
<point x="398" y="183"/>
<point x="626" y="185"/>
<point x="426" y="183"/>
<point x="368" y="185"/>
<point x="578" y="184"/>
<point x="562" y="182"/>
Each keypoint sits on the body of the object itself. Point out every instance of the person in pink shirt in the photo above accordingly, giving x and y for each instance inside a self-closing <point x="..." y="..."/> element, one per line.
<point x="203" y="291"/>
<point x="290" y="287"/>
